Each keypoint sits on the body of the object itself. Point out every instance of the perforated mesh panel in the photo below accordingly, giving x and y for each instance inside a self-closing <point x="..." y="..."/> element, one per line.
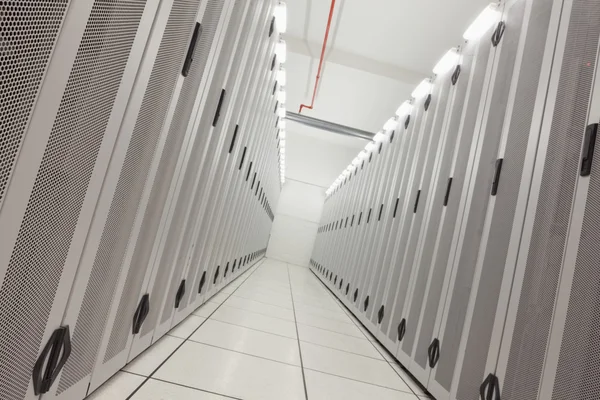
<point x="53" y="208"/>
<point x="182" y="115"/>
<point x="438" y="194"/>
<point x="170" y="256"/>
<point x="444" y="240"/>
<point x="545" y="253"/>
<point x="136" y="274"/>
<point x="473" y="371"/>
<point x="23" y="62"/>
<point x="108" y="263"/>
<point x="481" y="193"/>
<point x="168" y="161"/>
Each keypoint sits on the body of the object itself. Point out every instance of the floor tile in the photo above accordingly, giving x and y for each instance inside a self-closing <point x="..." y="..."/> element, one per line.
<point x="324" y="323"/>
<point x="260" y="308"/>
<point x="219" y="297"/>
<point x="233" y="374"/>
<point x="324" y="304"/>
<point x="120" y="386"/>
<point x="337" y="341"/>
<point x="384" y="352"/>
<point x="328" y="387"/>
<point x="228" y="289"/>
<point x="351" y="366"/>
<point x="248" y="341"/>
<point x="256" y="321"/>
<point x="159" y="390"/>
<point x="263" y="298"/>
<point x="206" y="309"/>
<point x="408" y="380"/>
<point x="151" y="358"/>
<point x="186" y="327"/>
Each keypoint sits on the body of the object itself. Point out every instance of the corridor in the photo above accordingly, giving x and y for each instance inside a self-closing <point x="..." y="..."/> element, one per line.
<point x="273" y="333"/>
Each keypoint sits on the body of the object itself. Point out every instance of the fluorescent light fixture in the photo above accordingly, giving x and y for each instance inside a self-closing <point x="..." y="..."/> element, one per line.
<point x="356" y="161"/>
<point x="370" y="146"/>
<point x="281" y="17"/>
<point x="447" y="62"/>
<point x="282" y="143"/>
<point x="282" y="134"/>
<point x="281" y="51"/>
<point x="379" y="137"/>
<point x="422" y="89"/>
<point x="281" y="76"/>
<point x="390" y="125"/>
<point x="482" y="23"/>
<point x="404" y="109"/>
<point x="281" y="124"/>
<point x="281" y="97"/>
<point x="363" y="155"/>
<point x="282" y="150"/>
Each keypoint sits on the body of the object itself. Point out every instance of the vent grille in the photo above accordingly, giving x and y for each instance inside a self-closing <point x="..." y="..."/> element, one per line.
<point x="140" y="153"/>
<point x="480" y="200"/>
<point x="506" y="202"/>
<point x="53" y="208"/>
<point x="168" y="161"/>
<point x="545" y="253"/>
<point x="433" y="223"/>
<point x="23" y="63"/>
<point x="108" y="263"/>
<point x="444" y="241"/>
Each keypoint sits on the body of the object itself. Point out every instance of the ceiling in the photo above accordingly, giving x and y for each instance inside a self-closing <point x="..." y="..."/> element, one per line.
<point x="378" y="51"/>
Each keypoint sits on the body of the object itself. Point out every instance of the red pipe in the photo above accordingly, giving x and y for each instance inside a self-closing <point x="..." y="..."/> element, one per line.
<point x="320" y="60"/>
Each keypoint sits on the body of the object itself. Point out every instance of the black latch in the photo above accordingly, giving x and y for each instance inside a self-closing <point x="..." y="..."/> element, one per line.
<point x="401" y="329"/>
<point x="589" y="143"/>
<point x="496" y="181"/>
<point x="407" y="122"/>
<point x="218" y="110"/>
<point x="434" y="352"/>
<point x="235" y="132"/>
<point x="427" y="102"/>
<point x="203" y="280"/>
<point x="447" y="196"/>
<point x="242" y="159"/>
<point x="417" y="201"/>
<point x="455" y="75"/>
<point x="498" y="33"/>
<point x="366" y="304"/>
<point x="140" y="314"/>
<point x="347" y="288"/>
<point x="191" y="48"/>
<point x="355" y="294"/>
<point x="216" y="274"/>
<point x="335" y="280"/>
<point x="56" y="352"/>
<point x="226" y="270"/>
<point x="490" y="388"/>
<point x="396" y="207"/>
<point x="272" y="27"/>
<point x="180" y="293"/>
<point x="273" y="63"/>
<point x="380" y="314"/>
<point x="341" y="283"/>
<point x="380" y="211"/>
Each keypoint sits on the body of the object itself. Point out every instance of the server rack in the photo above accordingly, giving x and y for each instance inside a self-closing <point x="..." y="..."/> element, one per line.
<point x="102" y="114"/>
<point x="495" y="282"/>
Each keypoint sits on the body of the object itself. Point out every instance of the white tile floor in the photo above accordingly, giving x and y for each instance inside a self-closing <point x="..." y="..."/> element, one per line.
<point x="274" y="333"/>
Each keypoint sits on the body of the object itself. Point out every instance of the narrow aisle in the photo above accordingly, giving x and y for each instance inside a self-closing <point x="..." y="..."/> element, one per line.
<point x="273" y="333"/>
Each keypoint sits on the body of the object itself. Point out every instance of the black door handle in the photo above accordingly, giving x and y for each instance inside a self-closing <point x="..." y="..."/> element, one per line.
<point x="190" y="53"/>
<point x="490" y="388"/>
<point x="57" y="351"/>
<point x="141" y="313"/>
<point x="434" y="352"/>
<point x="588" y="149"/>
<point x="366" y="304"/>
<point x="380" y="314"/>
<point x="401" y="329"/>
<point x="203" y="280"/>
<point x="180" y="293"/>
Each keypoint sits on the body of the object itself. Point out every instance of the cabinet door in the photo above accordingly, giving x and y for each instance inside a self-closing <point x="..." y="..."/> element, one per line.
<point x="55" y="184"/>
<point x="554" y="272"/>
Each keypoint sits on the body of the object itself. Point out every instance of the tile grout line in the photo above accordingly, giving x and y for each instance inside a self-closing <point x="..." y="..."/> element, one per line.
<point x="185" y="386"/>
<point x="377" y="349"/>
<point x="185" y="340"/>
<point x="297" y="333"/>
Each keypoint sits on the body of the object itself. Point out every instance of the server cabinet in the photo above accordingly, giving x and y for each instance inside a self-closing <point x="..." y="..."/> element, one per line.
<point x="149" y="244"/>
<point x="553" y="297"/>
<point x="142" y="170"/>
<point x="80" y="82"/>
